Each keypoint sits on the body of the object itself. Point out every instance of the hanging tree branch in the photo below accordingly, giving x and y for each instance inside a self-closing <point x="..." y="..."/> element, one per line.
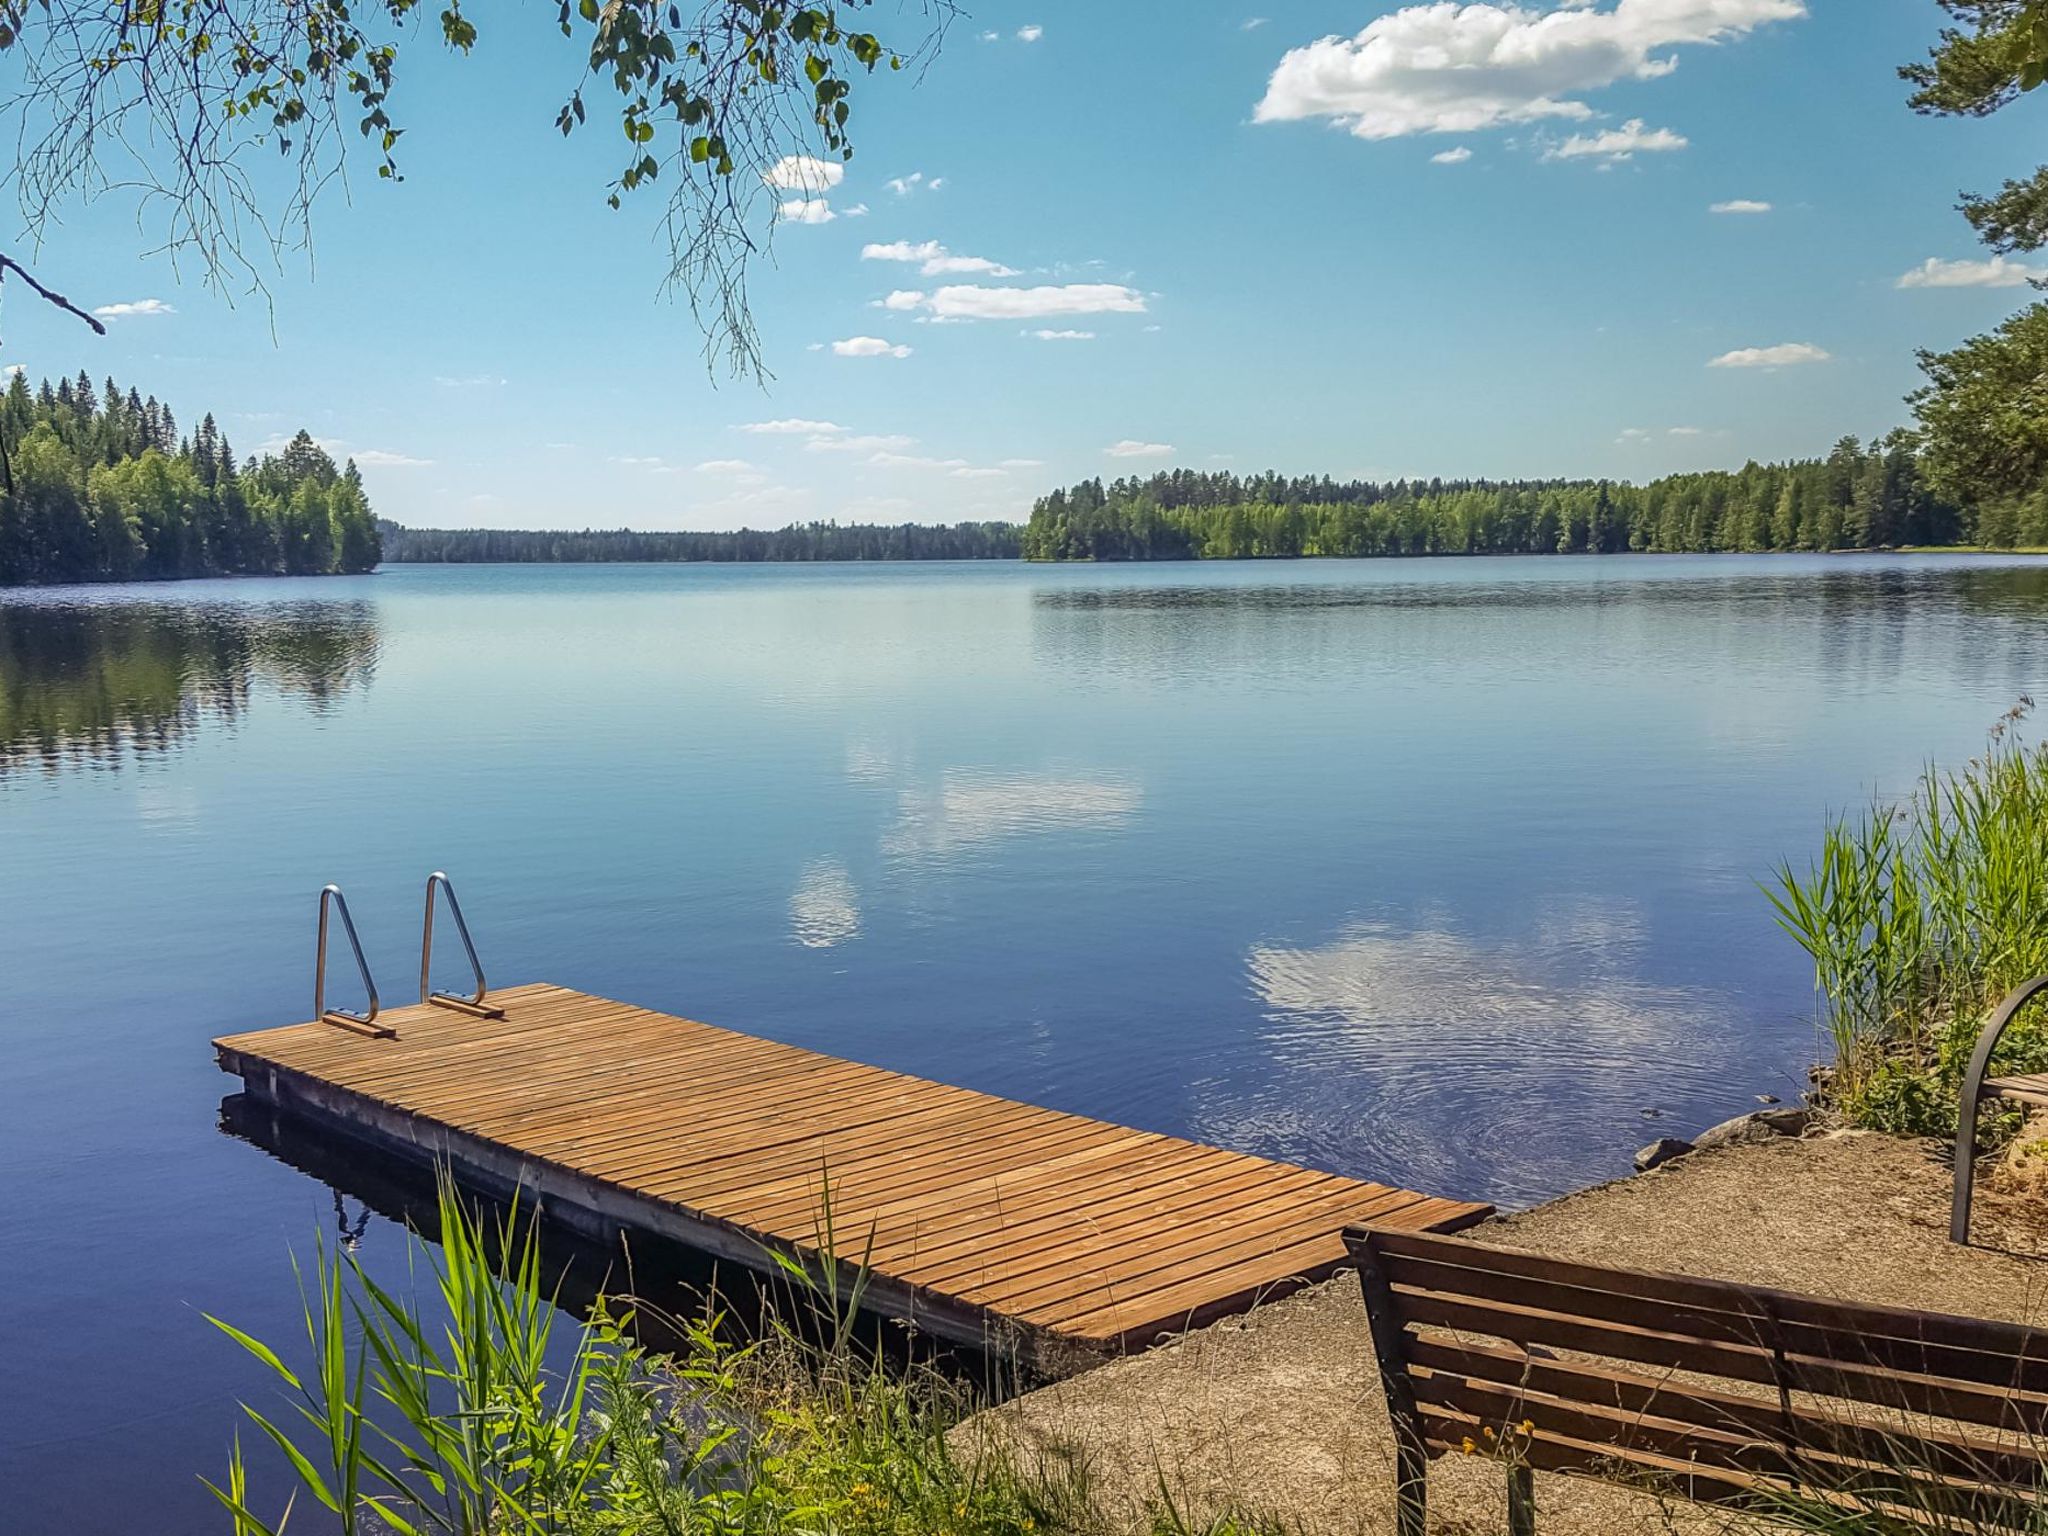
<point x="9" y="264"/>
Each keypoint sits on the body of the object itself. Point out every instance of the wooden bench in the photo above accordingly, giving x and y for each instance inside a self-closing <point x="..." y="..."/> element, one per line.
<point x="1877" y="1410"/>
<point x="2031" y="1088"/>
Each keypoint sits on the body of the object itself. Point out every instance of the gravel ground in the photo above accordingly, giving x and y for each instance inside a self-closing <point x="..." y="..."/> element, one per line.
<point x="1279" y="1413"/>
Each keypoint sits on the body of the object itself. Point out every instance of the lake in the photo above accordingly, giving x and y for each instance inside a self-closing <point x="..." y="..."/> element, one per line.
<point x="1438" y="872"/>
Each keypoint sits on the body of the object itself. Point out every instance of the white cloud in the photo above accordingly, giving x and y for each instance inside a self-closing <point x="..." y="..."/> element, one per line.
<point x="805" y="210"/>
<point x="470" y="381"/>
<point x="911" y="461"/>
<point x="383" y="458"/>
<point x="17" y="370"/>
<point x="1456" y="156"/>
<point x="971" y="301"/>
<point x="134" y="309"/>
<point x="968" y="810"/>
<point x="980" y="474"/>
<point x="903" y="186"/>
<point x="1252" y="23"/>
<point x="902" y="298"/>
<point x="1447" y="67"/>
<point x="1685" y="431"/>
<point x="991" y="37"/>
<point x="1740" y="205"/>
<point x="1021" y="463"/>
<point x="1784" y="355"/>
<point x="1634" y="435"/>
<point x="1131" y="448"/>
<point x="804" y="173"/>
<point x="857" y="211"/>
<point x="725" y="467"/>
<point x="868" y="346"/>
<point x="791" y="426"/>
<point x="1613" y="144"/>
<point x="1998" y="272"/>
<point x="1062" y="335"/>
<point x="860" y="442"/>
<point x="1030" y="34"/>
<point x="933" y="259"/>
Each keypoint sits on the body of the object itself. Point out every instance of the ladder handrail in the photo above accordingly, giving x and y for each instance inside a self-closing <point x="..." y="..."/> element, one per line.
<point x="427" y="992"/>
<point x="330" y="895"/>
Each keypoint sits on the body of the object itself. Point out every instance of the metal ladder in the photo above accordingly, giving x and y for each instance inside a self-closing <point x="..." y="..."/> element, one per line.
<point x="474" y="1003"/>
<point x="365" y="1023"/>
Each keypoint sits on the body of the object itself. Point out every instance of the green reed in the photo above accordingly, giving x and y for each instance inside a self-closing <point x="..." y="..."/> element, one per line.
<point x="501" y="1415"/>
<point x="1920" y="917"/>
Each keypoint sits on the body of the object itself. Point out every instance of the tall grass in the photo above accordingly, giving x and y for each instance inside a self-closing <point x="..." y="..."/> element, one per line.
<point x="1920" y="917"/>
<point x="504" y="1416"/>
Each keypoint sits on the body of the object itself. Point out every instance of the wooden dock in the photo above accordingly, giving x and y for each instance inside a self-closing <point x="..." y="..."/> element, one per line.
<point x="983" y="1220"/>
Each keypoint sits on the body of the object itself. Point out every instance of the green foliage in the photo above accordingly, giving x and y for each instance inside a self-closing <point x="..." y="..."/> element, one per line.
<point x="105" y="489"/>
<point x="485" y="1421"/>
<point x="1854" y="498"/>
<point x="1920" y="917"/>
<point x="1984" y="425"/>
<point x="1997" y="53"/>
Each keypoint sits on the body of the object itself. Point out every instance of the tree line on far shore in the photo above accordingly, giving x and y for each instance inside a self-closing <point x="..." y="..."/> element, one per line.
<point x="99" y="485"/>
<point x="798" y="542"/>
<point x="1858" y="497"/>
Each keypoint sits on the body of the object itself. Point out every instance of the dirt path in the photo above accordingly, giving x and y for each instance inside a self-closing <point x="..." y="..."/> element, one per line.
<point x="1280" y="1414"/>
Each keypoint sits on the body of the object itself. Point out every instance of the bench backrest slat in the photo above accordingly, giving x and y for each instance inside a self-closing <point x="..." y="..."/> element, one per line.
<point x="1625" y="1407"/>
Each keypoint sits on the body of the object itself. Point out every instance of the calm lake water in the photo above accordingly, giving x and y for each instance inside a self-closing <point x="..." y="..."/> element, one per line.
<point x="1437" y="872"/>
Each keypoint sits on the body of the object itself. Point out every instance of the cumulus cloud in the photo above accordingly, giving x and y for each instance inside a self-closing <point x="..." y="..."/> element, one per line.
<point x="857" y="211"/>
<point x="1614" y="144"/>
<point x="903" y="186"/>
<point x="1685" y="431"/>
<point x="1456" y="156"/>
<point x="725" y="467"/>
<point x="384" y="458"/>
<point x="792" y="426"/>
<point x="1131" y="448"/>
<point x="860" y="442"/>
<point x="902" y="298"/>
<point x="868" y="346"/>
<point x="972" y="301"/>
<point x="134" y="309"/>
<point x="980" y="474"/>
<point x="911" y="461"/>
<point x="805" y="210"/>
<point x="804" y="173"/>
<point x="1448" y="67"/>
<point x="933" y="259"/>
<point x="1997" y="272"/>
<point x="1021" y="463"/>
<point x="1030" y="34"/>
<point x="1062" y="335"/>
<point x="1740" y="205"/>
<point x="1783" y="355"/>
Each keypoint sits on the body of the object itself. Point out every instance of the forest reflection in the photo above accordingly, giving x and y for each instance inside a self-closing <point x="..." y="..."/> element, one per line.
<point x="100" y="684"/>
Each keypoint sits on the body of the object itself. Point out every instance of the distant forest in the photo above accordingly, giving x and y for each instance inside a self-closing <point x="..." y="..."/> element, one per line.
<point x="99" y="485"/>
<point x="800" y="541"/>
<point x="1856" y="498"/>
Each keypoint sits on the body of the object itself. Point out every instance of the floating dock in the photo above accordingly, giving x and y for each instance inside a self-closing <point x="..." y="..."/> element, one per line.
<point x="980" y="1219"/>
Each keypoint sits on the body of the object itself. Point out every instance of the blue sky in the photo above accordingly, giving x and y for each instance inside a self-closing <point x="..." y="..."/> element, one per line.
<point x="1286" y="238"/>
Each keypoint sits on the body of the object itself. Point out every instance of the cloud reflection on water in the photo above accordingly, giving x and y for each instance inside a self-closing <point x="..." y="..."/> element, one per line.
<point x="1427" y="1057"/>
<point x="824" y="910"/>
<point x="970" y="809"/>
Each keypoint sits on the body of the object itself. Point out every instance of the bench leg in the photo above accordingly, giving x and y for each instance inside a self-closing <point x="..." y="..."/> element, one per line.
<point x="1966" y="1164"/>
<point x="1521" y="1501"/>
<point x="1411" y="1483"/>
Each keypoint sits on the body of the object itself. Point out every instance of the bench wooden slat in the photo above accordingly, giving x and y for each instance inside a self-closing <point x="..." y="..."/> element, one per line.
<point x="1957" y="1453"/>
<point x="1691" y="1291"/>
<point x="1761" y="1327"/>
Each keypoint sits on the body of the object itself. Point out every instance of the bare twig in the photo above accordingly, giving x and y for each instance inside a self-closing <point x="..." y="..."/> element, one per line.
<point x="9" y="264"/>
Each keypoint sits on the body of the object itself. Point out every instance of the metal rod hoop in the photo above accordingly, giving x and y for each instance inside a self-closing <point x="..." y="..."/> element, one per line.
<point x="427" y="994"/>
<point x="330" y="895"/>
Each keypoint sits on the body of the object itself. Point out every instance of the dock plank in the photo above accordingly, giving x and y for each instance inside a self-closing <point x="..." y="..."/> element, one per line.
<point x="981" y="1217"/>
